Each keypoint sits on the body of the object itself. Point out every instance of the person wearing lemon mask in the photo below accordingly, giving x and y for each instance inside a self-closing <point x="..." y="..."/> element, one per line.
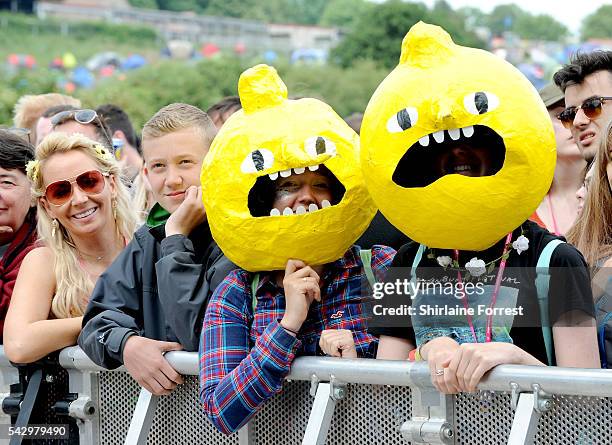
<point x="457" y="152"/>
<point x="285" y="200"/>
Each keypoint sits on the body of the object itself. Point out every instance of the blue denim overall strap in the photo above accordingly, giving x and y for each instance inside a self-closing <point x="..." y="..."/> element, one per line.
<point x="457" y="332"/>
<point x="542" y="282"/>
<point x="416" y="261"/>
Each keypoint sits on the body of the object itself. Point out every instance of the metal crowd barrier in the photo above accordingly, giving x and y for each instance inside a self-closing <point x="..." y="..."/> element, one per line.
<point x="340" y="401"/>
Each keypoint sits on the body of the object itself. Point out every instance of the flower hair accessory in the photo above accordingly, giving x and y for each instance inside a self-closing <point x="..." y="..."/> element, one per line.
<point x="33" y="170"/>
<point x="103" y="152"/>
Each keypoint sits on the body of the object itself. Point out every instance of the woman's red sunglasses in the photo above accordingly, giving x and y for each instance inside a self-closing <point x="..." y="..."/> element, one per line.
<point x="91" y="182"/>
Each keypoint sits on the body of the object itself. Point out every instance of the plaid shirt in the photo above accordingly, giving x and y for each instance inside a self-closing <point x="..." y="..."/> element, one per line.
<point x="244" y="358"/>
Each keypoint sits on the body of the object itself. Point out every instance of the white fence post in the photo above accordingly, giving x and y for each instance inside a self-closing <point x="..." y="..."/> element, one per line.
<point x="142" y="418"/>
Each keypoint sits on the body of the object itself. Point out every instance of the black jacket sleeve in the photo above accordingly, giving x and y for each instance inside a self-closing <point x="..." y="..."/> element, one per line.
<point x="114" y="311"/>
<point x="185" y="286"/>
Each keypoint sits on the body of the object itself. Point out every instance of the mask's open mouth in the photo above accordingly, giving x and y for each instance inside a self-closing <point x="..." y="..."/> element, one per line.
<point x="262" y="194"/>
<point x="470" y="151"/>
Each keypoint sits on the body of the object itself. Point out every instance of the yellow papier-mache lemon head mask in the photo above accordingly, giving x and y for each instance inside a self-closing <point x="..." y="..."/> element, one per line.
<point x="443" y="97"/>
<point x="273" y="136"/>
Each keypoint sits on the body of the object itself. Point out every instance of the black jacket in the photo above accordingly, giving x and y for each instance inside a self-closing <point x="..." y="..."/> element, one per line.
<point x="129" y="299"/>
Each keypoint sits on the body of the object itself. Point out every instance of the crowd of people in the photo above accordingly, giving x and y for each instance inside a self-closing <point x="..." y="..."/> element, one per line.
<point x="134" y="246"/>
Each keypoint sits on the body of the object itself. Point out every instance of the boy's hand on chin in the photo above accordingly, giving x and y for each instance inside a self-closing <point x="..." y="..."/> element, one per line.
<point x="188" y="215"/>
<point x="301" y="284"/>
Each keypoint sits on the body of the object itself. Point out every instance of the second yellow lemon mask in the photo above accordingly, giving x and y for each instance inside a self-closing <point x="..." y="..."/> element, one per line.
<point x="440" y="100"/>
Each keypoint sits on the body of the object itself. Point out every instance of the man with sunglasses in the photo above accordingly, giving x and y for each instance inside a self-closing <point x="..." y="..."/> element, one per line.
<point x="587" y="84"/>
<point x="86" y="122"/>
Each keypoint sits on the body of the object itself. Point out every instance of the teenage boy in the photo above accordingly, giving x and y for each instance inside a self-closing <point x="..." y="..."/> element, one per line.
<point x="133" y="317"/>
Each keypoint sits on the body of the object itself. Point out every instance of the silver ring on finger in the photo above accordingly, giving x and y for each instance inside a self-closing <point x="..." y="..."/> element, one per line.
<point x="439" y="372"/>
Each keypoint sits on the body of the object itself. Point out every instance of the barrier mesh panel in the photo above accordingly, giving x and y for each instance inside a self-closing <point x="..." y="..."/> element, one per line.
<point x="118" y="397"/>
<point x="283" y="419"/>
<point x="370" y="415"/>
<point x="367" y="415"/>
<point x="483" y="418"/>
<point x="577" y="420"/>
<point x="180" y="420"/>
<point x="571" y="421"/>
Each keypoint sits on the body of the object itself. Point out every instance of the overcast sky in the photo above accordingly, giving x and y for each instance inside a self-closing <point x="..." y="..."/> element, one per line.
<point x="568" y="12"/>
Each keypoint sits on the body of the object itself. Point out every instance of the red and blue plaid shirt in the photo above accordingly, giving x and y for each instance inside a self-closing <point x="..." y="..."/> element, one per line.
<point x="244" y="358"/>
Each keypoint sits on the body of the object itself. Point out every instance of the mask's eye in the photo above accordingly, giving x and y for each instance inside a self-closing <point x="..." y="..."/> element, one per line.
<point x="480" y="102"/>
<point x="258" y="160"/>
<point x="402" y="120"/>
<point x="319" y="145"/>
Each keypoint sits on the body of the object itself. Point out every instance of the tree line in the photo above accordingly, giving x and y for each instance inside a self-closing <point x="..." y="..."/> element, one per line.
<point x="351" y="15"/>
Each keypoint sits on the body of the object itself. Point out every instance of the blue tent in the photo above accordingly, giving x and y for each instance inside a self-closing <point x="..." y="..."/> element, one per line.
<point x="133" y="62"/>
<point x="83" y="77"/>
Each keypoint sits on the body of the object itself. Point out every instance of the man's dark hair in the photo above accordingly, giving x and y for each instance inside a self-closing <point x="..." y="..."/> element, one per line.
<point x="15" y="151"/>
<point x="226" y="106"/>
<point x="581" y="65"/>
<point x="117" y="120"/>
<point x="52" y="111"/>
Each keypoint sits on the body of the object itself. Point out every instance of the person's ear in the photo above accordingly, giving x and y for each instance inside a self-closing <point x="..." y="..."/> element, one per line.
<point x="119" y="135"/>
<point x="48" y="208"/>
<point x="112" y="183"/>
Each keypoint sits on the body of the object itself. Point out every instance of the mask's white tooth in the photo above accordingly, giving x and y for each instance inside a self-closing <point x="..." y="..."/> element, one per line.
<point x="273" y="176"/>
<point x="325" y="203"/>
<point x="287" y="211"/>
<point x="439" y="136"/>
<point x="454" y="133"/>
<point x="424" y="141"/>
<point x="468" y="131"/>
<point x="312" y="207"/>
<point x="274" y="212"/>
<point x="285" y="173"/>
<point x="313" y="168"/>
<point x="300" y="210"/>
<point x="299" y="170"/>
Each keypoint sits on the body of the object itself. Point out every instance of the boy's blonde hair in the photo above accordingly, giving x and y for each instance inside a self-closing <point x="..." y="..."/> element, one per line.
<point x="73" y="283"/>
<point x="176" y="117"/>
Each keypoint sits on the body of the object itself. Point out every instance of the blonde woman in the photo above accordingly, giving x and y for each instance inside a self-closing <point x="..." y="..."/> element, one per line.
<point x="84" y="221"/>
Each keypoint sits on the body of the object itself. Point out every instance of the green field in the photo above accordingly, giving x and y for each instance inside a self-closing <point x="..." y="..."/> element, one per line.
<point x="142" y="92"/>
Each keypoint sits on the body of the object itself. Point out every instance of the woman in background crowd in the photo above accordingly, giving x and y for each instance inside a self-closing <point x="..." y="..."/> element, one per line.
<point x="17" y="214"/>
